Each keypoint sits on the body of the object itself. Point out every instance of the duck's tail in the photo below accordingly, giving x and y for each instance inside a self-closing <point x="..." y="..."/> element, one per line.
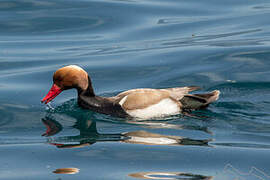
<point x="199" y="101"/>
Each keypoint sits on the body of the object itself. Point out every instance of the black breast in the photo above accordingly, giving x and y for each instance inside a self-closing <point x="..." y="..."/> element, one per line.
<point x="101" y="105"/>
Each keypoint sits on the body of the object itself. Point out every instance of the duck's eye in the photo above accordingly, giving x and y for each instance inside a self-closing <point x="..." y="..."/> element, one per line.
<point x="67" y="87"/>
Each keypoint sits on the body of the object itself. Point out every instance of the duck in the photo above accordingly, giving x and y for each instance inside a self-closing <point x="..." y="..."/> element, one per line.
<point x="142" y="103"/>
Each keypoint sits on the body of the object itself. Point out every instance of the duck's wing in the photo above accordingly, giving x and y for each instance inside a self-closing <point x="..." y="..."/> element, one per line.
<point x="141" y="98"/>
<point x="179" y="92"/>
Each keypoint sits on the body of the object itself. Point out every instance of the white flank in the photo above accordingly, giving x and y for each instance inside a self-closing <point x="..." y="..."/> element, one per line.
<point x="163" y="108"/>
<point x="157" y="141"/>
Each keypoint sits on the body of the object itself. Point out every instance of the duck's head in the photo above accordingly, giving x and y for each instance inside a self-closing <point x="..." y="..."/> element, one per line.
<point x="68" y="77"/>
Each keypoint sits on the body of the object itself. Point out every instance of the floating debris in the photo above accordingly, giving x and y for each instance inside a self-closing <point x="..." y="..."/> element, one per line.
<point x="66" y="171"/>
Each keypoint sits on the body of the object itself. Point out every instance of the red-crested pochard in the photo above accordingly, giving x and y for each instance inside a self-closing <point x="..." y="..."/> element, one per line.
<point x="140" y="103"/>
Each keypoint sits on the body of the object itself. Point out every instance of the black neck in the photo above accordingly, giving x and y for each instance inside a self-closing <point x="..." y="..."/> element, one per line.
<point x="88" y="100"/>
<point x="89" y="91"/>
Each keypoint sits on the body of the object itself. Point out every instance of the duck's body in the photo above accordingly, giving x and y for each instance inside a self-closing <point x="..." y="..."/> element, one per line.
<point x="147" y="103"/>
<point x="138" y="103"/>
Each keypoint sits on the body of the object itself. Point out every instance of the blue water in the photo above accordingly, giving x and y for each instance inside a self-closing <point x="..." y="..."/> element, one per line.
<point x="125" y="44"/>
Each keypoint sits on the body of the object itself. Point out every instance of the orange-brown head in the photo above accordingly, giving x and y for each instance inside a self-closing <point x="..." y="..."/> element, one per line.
<point x="68" y="77"/>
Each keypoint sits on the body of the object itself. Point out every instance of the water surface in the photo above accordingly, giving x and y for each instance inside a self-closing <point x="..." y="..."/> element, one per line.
<point x="126" y="44"/>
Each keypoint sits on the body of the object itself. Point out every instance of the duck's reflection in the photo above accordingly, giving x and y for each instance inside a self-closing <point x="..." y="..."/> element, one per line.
<point x="89" y="135"/>
<point x="147" y="138"/>
<point x="161" y="124"/>
<point x="170" y="175"/>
